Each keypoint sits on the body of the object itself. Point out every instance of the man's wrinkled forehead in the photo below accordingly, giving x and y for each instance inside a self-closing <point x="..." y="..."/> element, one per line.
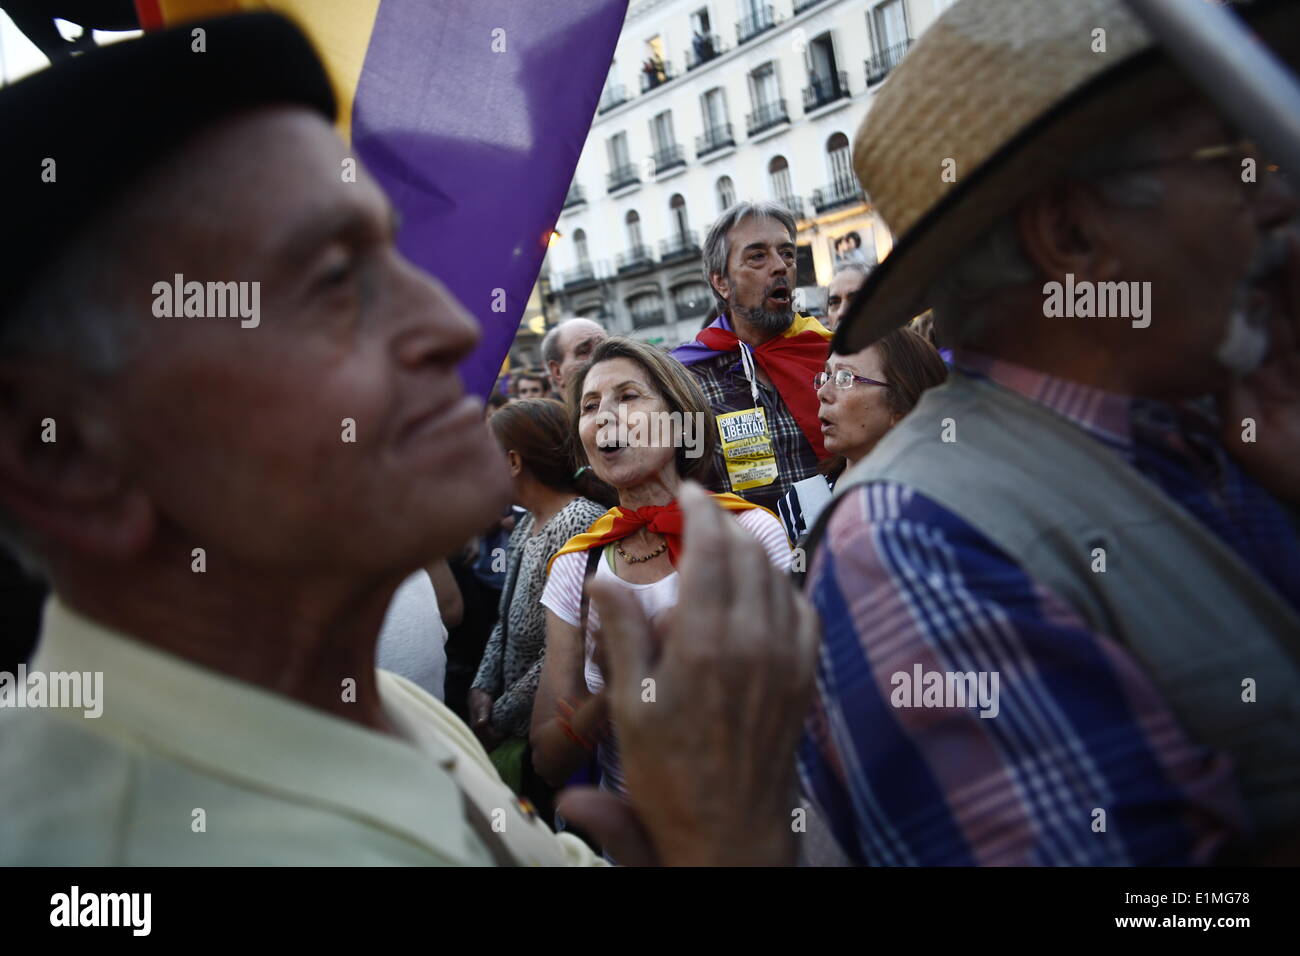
<point x="758" y="232"/>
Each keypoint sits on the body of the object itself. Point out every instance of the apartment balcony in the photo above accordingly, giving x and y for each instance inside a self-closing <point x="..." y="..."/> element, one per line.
<point x="661" y="72"/>
<point x="636" y="259"/>
<point x="767" y="116"/>
<point x="648" y="318"/>
<point x="695" y="309"/>
<point x="614" y="95"/>
<point x="801" y="5"/>
<point x="583" y="277"/>
<point x="794" y="204"/>
<point x="878" y="66"/>
<point x="683" y="246"/>
<point x="703" y="49"/>
<point x="577" y="196"/>
<point x="842" y="192"/>
<point x="625" y="175"/>
<point x="824" y="88"/>
<point x="668" y="158"/>
<point x="714" y="139"/>
<point x="750" y="27"/>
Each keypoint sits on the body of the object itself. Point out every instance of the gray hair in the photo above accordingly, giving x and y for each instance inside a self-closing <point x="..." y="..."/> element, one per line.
<point x="965" y="297"/>
<point x="73" y="311"/>
<point x="861" y="268"/>
<point x="551" y="345"/>
<point x="717" y="245"/>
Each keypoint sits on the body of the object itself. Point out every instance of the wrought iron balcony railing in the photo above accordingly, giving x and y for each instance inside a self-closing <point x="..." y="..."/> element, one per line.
<point x="575" y="197"/>
<point x="704" y="47"/>
<point x="750" y="27"/>
<point x="614" y="95"/>
<point x="625" y="175"/>
<point x="767" y="116"/>
<point x="682" y="246"/>
<point x="878" y="66"/>
<point x="714" y="139"/>
<point x="656" y="73"/>
<point x="668" y="157"/>
<point x="638" y="257"/>
<point x="647" y="318"/>
<point x="825" y="88"/>
<point x="584" y="275"/>
<point x="841" y="192"/>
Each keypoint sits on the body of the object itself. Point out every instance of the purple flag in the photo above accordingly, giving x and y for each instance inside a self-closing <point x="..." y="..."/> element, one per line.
<point x="472" y="115"/>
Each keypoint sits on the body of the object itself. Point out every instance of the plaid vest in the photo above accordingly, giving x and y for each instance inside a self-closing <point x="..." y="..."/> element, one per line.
<point x="1195" y="616"/>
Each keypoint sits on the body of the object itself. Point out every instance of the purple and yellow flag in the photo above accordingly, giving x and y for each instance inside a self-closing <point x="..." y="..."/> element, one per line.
<point x="472" y="115"/>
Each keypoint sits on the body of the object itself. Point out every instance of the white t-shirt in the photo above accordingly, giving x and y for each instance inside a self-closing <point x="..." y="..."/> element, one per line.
<point x="563" y="593"/>
<point x="412" y="641"/>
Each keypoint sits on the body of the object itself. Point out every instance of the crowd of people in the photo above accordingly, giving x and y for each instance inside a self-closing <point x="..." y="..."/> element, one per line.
<point x="795" y="591"/>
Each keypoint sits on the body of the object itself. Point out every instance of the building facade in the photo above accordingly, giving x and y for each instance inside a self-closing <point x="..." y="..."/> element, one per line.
<point x="709" y="102"/>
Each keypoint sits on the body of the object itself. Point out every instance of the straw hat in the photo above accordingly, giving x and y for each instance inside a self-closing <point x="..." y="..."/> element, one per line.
<point x="1004" y="94"/>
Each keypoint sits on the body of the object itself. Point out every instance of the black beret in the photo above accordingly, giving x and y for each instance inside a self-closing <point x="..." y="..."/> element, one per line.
<point x="108" y="115"/>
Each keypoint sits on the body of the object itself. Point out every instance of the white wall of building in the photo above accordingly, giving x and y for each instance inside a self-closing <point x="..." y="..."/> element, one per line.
<point x="857" y="30"/>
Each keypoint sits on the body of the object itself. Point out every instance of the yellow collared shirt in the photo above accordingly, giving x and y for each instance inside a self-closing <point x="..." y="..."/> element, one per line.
<point x="188" y="767"/>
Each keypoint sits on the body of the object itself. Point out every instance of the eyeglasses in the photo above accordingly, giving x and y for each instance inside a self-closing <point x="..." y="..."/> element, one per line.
<point x="845" y="379"/>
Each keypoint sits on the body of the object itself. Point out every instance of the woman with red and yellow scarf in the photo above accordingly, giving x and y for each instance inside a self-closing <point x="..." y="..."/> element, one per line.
<point x="641" y="423"/>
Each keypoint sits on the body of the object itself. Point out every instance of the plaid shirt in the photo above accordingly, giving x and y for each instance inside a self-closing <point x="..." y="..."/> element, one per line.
<point x="901" y="580"/>
<point x="727" y="390"/>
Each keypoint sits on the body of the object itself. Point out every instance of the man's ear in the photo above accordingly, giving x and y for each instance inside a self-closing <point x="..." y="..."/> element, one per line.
<point x="1065" y="230"/>
<point x="554" y="369"/>
<point x="63" y="477"/>
<point x="721" y="285"/>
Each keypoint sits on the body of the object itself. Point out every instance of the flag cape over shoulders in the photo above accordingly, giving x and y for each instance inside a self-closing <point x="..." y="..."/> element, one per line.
<point x="790" y="361"/>
<point x="618" y="523"/>
<point x="471" y="115"/>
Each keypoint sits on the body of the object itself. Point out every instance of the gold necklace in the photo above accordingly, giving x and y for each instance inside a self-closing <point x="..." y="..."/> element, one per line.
<point x="632" y="560"/>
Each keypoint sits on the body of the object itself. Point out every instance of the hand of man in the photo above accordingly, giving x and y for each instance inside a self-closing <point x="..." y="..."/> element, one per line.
<point x="708" y="747"/>
<point x="1270" y="396"/>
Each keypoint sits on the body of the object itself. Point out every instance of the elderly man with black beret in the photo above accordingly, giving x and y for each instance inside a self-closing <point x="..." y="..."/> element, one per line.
<point x="1062" y="597"/>
<point x="225" y="503"/>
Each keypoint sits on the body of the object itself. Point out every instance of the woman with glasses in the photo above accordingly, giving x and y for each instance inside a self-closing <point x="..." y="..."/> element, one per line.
<point x="861" y="396"/>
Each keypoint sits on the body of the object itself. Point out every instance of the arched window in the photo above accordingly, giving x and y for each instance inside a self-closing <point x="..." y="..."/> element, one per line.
<point x="778" y="171"/>
<point x="726" y="194"/>
<point x="840" y="160"/>
<point x="580" y="244"/>
<point x="633" y="230"/>
<point x="677" y="208"/>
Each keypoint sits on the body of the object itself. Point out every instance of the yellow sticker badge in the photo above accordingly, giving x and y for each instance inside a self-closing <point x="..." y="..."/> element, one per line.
<point x="747" y="449"/>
